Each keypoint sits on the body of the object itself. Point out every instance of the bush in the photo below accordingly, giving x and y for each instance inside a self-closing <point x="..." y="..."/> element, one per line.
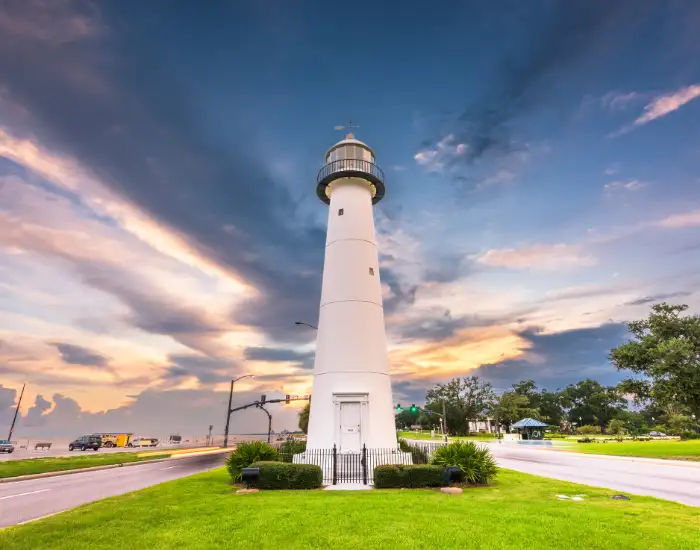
<point x="588" y="430"/>
<point x="394" y="476"/>
<point x="585" y="440"/>
<point x="247" y="453"/>
<point x="476" y="462"/>
<point x="616" y="426"/>
<point x="284" y="475"/>
<point x="418" y="454"/>
<point x="291" y="447"/>
<point x="685" y="436"/>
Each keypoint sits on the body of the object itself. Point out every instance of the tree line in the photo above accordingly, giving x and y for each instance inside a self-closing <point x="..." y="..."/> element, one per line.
<point x="662" y="393"/>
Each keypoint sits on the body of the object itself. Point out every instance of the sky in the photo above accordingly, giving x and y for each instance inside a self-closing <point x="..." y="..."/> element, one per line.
<point x="160" y="232"/>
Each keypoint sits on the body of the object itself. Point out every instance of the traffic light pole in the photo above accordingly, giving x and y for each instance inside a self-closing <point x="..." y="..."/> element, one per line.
<point x="260" y="404"/>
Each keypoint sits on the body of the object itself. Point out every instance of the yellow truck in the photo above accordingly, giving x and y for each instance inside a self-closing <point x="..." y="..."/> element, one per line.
<point x="116" y="439"/>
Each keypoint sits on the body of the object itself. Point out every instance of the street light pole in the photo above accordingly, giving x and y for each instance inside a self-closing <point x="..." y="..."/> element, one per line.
<point x="228" y="410"/>
<point x="300" y="323"/>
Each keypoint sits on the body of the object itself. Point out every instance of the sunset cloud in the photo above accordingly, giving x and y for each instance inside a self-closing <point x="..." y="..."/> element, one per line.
<point x="538" y="256"/>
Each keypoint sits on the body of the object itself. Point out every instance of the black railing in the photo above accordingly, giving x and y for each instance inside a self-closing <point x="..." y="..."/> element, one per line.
<point x="350" y="165"/>
<point x="358" y="467"/>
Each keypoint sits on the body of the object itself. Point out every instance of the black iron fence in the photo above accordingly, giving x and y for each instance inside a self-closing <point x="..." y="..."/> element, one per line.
<point x="358" y="467"/>
<point x="350" y="165"/>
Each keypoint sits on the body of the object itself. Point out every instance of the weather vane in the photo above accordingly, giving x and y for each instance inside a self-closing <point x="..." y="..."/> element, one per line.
<point x="348" y="126"/>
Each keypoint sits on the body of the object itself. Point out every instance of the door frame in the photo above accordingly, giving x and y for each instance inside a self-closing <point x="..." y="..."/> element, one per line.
<point x="351" y="397"/>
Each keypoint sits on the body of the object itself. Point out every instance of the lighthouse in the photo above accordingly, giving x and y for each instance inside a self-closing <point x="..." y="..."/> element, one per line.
<point x="351" y="403"/>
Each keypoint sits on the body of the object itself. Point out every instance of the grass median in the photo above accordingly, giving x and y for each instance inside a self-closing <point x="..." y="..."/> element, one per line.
<point x="423" y="435"/>
<point x="668" y="449"/>
<point x="14" y="468"/>
<point x="518" y="511"/>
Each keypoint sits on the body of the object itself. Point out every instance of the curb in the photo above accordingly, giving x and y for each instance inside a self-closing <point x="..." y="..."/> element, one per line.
<point x="104" y="467"/>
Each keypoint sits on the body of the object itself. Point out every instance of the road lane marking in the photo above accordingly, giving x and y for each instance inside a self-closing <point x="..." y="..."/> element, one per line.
<point x="168" y="468"/>
<point x="22" y="494"/>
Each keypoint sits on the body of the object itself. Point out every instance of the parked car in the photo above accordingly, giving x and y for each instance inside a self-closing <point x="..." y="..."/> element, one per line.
<point x="6" y="446"/>
<point x="144" y="442"/>
<point x="657" y="434"/>
<point x="85" y="442"/>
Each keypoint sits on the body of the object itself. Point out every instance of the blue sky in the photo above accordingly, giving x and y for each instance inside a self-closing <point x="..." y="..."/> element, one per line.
<point x="159" y="230"/>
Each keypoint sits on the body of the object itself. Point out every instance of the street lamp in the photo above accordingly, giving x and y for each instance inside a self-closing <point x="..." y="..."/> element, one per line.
<point x="228" y="410"/>
<point x="300" y="323"/>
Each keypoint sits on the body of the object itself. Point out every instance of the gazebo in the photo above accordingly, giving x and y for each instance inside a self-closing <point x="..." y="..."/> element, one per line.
<point x="529" y="428"/>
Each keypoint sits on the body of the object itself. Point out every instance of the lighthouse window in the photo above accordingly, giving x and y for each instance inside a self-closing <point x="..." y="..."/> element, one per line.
<point x="340" y="211"/>
<point x="371" y="271"/>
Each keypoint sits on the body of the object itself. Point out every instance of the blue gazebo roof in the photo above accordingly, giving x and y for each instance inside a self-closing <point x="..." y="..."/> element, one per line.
<point x="529" y="423"/>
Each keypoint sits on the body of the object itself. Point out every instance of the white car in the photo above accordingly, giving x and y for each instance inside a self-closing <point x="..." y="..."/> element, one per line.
<point x="144" y="442"/>
<point x="657" y="434"/>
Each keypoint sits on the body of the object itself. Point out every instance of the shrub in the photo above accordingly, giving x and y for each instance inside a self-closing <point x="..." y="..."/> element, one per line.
<point x="476" y="462"/>
<point x="284" y="475"/>
<point x="585" y="440"/>
<point x="394" y="476"/>
<point x="247" y="453"/>
<point x="616" y="426"/>
<point x="418" y="454"/>
<point x="291" y="447"/>
<point x="588" y="430"/>
<point x="685" y="436"/>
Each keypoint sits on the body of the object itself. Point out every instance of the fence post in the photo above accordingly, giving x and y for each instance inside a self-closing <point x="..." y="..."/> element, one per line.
<point x="335" y="465"/>
<point x="364" y="464"/>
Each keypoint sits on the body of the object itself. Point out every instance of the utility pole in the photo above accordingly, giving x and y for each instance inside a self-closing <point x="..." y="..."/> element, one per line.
<point x="209" y="439"/>
<point x="12" y="426"/>
<point x="228" y="409"/>
<point x="444" y="421"/>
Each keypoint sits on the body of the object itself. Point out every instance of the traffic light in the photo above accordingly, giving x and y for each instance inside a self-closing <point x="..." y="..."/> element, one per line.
<point x="286" y="399"/>
<point x="398" y="407"/>
<point x="414" y="409"/>
<point x="263" y="397"/>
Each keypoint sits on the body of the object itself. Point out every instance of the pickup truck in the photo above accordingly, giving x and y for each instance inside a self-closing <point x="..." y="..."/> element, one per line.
<point x="6" y="446"/>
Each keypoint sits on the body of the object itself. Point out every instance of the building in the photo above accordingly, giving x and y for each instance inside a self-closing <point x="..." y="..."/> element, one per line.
<point x="351" y="403"/>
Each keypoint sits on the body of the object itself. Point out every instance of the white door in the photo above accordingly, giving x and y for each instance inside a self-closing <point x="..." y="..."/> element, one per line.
<point x="350" y="431"/>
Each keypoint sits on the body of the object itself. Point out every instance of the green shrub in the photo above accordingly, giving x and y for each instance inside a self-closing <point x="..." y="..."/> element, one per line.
<point x="247" y="453"/>
<point x="585" y="440"/>
<point x="418" y="454"/>
<point x="476" y="462"/>
<point x="616" y="426"/>
<point x="284" y="475"/>
<point x="394" y="476"/>
<point x="291" y="447"/>
<point x="588" y="430"/>
<point x="685" y="436"/>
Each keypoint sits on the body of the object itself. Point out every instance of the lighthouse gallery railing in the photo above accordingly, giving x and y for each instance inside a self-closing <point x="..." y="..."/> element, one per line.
<point x="350" y="165"/>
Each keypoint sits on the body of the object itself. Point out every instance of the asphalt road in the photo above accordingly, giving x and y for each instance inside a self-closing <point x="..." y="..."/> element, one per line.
<point x="22" y="501"/>
<point x="62" y="450"/>
<point x="669" y="479"/>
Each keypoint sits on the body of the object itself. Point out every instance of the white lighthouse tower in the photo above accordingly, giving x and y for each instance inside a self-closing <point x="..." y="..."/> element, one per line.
<point x="351" y="403"/>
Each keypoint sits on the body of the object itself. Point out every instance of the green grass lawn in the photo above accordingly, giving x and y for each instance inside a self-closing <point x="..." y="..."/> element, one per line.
<point x="426" y="436"/>
<point x="669" y="449"/>
<point x="518" y="511"/>
<point x="12" y="468"/>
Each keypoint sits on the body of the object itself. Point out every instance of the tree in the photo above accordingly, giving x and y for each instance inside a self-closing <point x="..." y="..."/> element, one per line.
<point x="465" y="399"/>
<point x="616" y="426"/>
<point x="591" y="403"/>
<point x="405" y="418"/>
<point x="665" y="352"/>
<point x="550" y="407"/>
<point x="511" y="407"/>
<point x="304" y="418"/>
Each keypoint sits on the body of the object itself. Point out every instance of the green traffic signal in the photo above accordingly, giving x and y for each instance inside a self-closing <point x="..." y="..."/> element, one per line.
<point x="398" y="407"/>
<point x="414" y="409"/>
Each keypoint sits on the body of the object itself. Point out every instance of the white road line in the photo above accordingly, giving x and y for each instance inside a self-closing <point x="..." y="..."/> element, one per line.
<point x="168" y="468"/>
<point x="22" y="494"/>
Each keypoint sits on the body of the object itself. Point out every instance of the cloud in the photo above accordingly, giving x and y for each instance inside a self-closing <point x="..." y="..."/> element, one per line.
<point x="537" y="256"/>
<point x="444" y="153"/>
<point x="569" y="32"/>
<point x="554" y="360"/>
<point x="624" y="185"/>
<point x="662" y="105"/>
<point x="78" y="355"/>
<point x="155" y="413"/>
<point x="680" y="220"/>
<point x="282" y="355"/>
<point x="620" y="101"/>
<point x="657" y="298"/>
